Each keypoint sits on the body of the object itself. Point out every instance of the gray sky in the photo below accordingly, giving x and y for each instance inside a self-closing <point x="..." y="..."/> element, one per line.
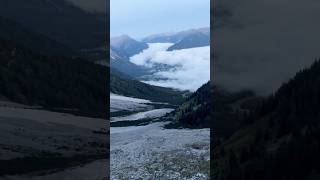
<point x="139" y="18"/>
<point x="264" y="43"/>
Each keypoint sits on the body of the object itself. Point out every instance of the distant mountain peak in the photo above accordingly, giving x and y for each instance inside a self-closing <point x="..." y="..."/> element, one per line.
<point x="120" y="40"/>
<point x="123" y="36"/>
<point x="125" y="46"/>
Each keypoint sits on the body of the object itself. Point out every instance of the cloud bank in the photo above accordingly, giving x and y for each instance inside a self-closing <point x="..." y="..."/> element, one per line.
<point x="191" y="67"/>
<point x="264" y="43"/>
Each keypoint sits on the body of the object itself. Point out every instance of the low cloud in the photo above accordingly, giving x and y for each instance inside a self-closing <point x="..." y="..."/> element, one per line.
<point x="264" y="43"/>
<point x="191" y="67"/>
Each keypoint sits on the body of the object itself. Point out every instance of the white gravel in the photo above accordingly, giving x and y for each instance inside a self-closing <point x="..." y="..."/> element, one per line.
<point x="155" y="113"/>
<point x="152" y="152"/>
<point x="120" y="103"/>
<point x="137" y="152"/>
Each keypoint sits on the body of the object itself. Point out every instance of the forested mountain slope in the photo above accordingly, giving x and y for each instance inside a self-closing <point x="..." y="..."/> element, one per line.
<point x="134" y="88"/>
<point x="213" y="107"/>
<point x="280" y="139"/>
<point x="37" y="42"/>
<point x="195" y="111"/>
<point x="51" y="81"/>
<point x="59" y="20"/>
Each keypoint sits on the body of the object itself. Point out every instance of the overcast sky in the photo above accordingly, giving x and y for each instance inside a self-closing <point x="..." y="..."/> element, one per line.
<point x="139" y="18"/>
<point x="264" y="43"/>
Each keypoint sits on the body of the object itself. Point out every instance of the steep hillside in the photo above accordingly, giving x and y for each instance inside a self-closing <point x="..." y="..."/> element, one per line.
<point x="13" y="31"/>
<point x="52" y="82"/>
<point x="195" y="111"/>
<point x="59" y="20"/>
<point x="123" y="65"/>
<point x="280" y="139"/>
<point x="134" y="88"/>
<point x="121" y="49"/>
<point x="230" y="110"/>
<point x="211" y="106"/>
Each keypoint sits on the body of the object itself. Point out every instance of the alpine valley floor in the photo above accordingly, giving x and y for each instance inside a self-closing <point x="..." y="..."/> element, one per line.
<point x="37" y="144"/>
<point x="149" y="151"/>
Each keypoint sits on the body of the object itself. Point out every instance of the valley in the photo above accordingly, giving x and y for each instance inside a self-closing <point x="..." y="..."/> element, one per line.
<point x="178" y="60"/>
<point x="157" y="84"/>
<point x="54" y="112"/>
<point x="149" y="150"/>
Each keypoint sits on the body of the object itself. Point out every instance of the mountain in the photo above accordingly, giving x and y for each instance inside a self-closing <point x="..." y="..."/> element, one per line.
<point x="205" y="31"/>
<point x="210" y="103"/>
<point x="114" y="55"/>
<point x="137" y="89"/>
<point x="195" y="111"/>
<point x="231" y="109"/>
<point x="52" y="82"/>
<point x="115" y="72"/>
<point x="13" y="31"/>
<point x="196" y="39"/>
<point x="126" y="67"/>
<point x="123" y="47"/>
<point x="174" y="37"/>
<point x="126" y="47"/>
<point x="280" y="138"/>
<point x="184" y="39"/>
<point x="165" y="37"/>
<point x="59" y="20"/>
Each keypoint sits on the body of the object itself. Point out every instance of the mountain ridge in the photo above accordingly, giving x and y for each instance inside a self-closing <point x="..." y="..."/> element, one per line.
<point x="174" y="37"/>
<point x="198" y="39"/>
